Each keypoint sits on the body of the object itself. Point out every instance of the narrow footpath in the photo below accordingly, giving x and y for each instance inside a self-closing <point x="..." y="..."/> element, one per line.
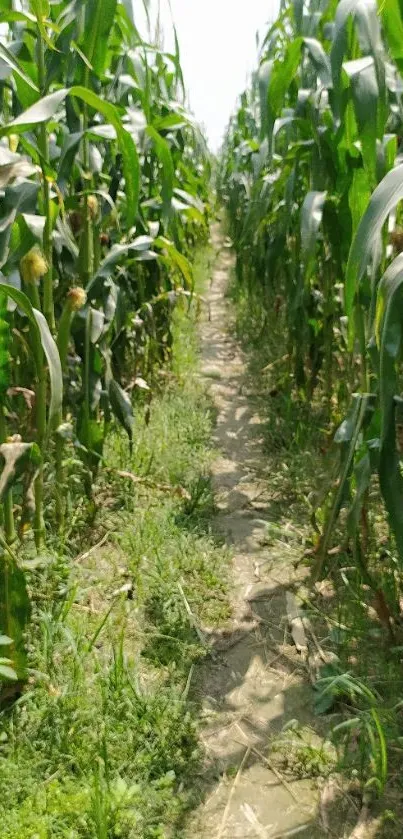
<point x="256" y="682"/>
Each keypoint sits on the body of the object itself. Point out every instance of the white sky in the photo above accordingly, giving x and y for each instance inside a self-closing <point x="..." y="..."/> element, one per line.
<point x="218" y="51"/>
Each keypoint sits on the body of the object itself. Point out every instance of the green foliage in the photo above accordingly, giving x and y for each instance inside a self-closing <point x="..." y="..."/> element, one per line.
<point x="300" y="202"/>
<point x="95" y="140"/>
<point x="311" y="177"/>
<point x="15" y="612"/>
<point x="105" y="741"/>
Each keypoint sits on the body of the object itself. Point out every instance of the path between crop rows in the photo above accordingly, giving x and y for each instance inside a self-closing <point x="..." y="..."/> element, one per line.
<point x="255" y="683"/>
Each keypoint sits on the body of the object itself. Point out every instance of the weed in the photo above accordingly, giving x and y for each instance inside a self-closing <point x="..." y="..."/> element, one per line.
<point x="302" y="753"/>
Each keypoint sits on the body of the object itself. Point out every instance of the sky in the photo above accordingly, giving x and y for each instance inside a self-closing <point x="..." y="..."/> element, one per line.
<point x="218" y="52"/>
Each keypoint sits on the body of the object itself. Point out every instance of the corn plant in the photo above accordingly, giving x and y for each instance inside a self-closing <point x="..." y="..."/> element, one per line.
<point x="311" y="176"/>
<point x="104" y="193"/>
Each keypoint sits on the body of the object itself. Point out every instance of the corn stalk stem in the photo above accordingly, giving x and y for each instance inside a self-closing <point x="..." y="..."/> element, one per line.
<point x="62" y="344"/>
<point x="43" y="142"/>
<point x="60" y="505"/>
<point x="86" y="394"/>
<point x="39" y="523"/>
<point x="328" y="331"/>
<point x="88" y="250"/>
<point x="48" y="308"/>
<point x="86" y="274"/>
<point x="360" y="326"/>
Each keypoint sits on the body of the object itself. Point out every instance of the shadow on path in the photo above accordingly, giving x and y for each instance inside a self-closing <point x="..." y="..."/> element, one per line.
<point x="255" y="682"/>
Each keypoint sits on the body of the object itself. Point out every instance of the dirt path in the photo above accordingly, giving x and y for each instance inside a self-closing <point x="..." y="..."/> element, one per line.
<point x="257" y="681"/>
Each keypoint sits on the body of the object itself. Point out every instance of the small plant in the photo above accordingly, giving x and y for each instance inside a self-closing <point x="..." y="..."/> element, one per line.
<point x="301" y="753"/>
<point x="361" y="739"/>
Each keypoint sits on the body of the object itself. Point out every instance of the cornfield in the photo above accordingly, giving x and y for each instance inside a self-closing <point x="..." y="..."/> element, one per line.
<point x="103" y="177"/>
<point x="106" y="199"/>
<point x="312" y="179"/>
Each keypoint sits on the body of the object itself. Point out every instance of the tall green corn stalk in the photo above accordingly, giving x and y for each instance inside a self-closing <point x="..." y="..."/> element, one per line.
<point x="103" y="195"/>
<point x="311" y="177"/>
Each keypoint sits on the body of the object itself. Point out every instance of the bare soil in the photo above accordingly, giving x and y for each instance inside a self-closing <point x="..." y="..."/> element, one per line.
<point x="256" y="681"/>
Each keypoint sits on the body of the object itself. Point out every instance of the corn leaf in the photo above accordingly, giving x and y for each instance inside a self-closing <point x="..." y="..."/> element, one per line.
<point x="163" y="153"/>
<point x="100" y="17"/>
<point x="131" y="164"/>
<point x="41" y="341"/>
<point x="311" y="220"/>
<point x="347" y="435"/>
<point x="320" y="61"/>
<point x="46" y="108"/>
<point x="12" y="62"/>
<point x="384" y="199"/>
<point x="364" y="13"/>
<point x="365" y="95"/>
<point x="122" y="409"/>
<point x="392" y="21"/>
<point x="390" y="329"/>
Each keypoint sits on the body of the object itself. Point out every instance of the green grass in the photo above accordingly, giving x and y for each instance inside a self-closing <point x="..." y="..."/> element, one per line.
<point x="103" y="743"/>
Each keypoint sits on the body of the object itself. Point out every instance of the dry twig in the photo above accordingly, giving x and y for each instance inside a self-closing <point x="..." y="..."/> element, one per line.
<point x="180" y="491"/>
<point x="192" y="619"/>
<point x="272" y="768"/>
<point x="365" y="827"/>
<point x="223" y="823"/>
<point x="92" y="550"/>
